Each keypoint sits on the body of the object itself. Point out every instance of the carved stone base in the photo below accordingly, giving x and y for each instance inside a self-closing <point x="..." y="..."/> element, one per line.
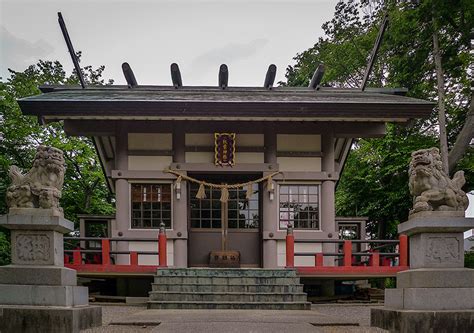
<point x="437" y="294"/>
<point x="37" y="219"/>
<point x="436" y="278"/>
<point x="410" y="321"/>
<point x="40" y="319"/>
<point x="436" y="241"/>
<point x="24" y="294"/>
<point x="36" y="211"/>
<point x="430" y="298"/>
<point x="35" y="247"/>
<point x="38" y="275"/>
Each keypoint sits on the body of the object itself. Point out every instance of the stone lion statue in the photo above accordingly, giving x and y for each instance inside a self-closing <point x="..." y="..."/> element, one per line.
<point x="41" y="186"/>
<point x="431" y="187"/>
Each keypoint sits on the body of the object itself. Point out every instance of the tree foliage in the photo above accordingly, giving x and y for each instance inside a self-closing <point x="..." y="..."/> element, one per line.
<point x="374" y="182"/>
<point x="85" y="190"/>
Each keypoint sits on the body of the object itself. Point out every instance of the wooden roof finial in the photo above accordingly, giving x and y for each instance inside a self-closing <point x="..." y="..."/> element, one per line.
<point x="176" y="75"/>
<point x="223" y="76"/>
<point x="129" y="76"/>
<point x="270" y="77"/>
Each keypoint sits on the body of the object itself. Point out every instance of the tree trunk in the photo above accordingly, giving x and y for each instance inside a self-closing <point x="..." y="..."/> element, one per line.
<point x="464" y="137"/>
<point x="443" y="141"/>
<point x="467" y="133"/>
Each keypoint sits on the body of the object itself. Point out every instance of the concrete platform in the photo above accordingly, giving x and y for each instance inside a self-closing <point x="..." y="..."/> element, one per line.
<point x="39" y="319"/>
<point x="322" y="318"/>
<point x="409" y="321"/>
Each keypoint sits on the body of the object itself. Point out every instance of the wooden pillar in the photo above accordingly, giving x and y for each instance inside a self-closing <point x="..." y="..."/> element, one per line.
<point x="328" y="210"/>
<point x="180" y="206"/>
<point x="270" y="207"/>
<point x="122" y="189"/>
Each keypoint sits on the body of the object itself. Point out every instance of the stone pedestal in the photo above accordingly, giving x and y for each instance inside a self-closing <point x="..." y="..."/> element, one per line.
<point x="437" y="293"/>
<point x="37" y="293"/>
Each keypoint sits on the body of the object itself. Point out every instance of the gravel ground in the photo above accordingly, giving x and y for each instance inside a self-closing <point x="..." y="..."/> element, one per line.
<point x="324" y="319"/>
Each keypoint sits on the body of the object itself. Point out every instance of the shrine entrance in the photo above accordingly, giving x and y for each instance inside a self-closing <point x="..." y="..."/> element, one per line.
<point x="215" y="226"/>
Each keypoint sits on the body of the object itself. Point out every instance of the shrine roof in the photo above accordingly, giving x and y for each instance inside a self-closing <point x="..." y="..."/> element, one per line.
<point x="279" y="103"/>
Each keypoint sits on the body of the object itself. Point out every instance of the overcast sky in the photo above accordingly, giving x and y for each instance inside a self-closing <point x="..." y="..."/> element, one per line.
<point x="199" y="35"/>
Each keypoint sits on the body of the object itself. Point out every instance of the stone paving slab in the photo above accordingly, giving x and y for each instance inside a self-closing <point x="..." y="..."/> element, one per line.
<point x="327" y="319"/>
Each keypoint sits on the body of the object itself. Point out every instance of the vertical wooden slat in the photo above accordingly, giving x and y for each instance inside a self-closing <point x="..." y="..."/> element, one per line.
<point x="105" y="252"/>
<point x="403" y="250"/>
<point x="133" y="258"/>
<point x="347" y="248"/>
<point x="76" y="258"/>
<point x="319" y="260"/>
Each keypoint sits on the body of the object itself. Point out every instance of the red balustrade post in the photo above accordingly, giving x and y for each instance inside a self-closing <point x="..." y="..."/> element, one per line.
<point x="66" y="259"/>
<point x="386" y="261"/>
<point x="290" y="247"/>
<point x="319" y="259"/>
<point x="76" y="258"/>
<point x="375" y="259"/>
<point x="105" y="252"/>
<point x="133" y="258"/>
<point x="162" y="246"/>
<point x="403" y="250"/>
<point x="347" y="248"/>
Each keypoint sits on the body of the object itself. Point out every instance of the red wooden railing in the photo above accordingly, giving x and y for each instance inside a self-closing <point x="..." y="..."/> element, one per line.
<point x="349" y="262"/>
<point x="101" y="261"/>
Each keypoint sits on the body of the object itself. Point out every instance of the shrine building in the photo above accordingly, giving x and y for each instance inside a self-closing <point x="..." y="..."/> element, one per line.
<point x="223" y="168"/>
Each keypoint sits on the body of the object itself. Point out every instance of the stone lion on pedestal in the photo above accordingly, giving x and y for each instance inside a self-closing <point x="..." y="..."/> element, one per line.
<point x="431" y="187"/>
<point x="41" y="186"/>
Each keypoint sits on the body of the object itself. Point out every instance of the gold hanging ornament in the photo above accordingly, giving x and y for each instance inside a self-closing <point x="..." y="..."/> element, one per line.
<point x="177" y="185"/>
<point x="201" y="192"/>
<point x="249" y="191"/>
<point x="224" y="194"/>
<point x="269" y="184"/>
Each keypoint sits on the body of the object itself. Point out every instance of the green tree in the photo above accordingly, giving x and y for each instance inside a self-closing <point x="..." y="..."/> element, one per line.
<point x="85" y="190"/>
<point x="374" y="182"/>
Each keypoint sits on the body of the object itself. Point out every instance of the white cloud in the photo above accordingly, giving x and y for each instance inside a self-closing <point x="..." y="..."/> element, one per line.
<point x="17" y="53"/>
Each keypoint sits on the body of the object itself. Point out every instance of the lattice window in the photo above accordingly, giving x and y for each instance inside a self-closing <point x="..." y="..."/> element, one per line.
<point x="207" y="213"/>
<point x="151" y="205"/>
<point x="299" y="205"/>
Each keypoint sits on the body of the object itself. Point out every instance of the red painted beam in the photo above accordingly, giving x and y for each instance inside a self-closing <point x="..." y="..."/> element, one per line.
<point x="350" y="270"/>
<point x="91" y="268"/>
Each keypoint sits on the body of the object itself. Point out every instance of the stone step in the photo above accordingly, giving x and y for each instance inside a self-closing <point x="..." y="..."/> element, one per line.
<point x="231" y="305"/>
<point x="227" y="280"/>
<point x="222" y="272"/>
<point x="249" y="288"/>
<point x="165" y="296"/>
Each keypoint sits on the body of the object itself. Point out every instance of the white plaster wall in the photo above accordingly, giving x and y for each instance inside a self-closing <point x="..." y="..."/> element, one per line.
<point x="299" y="261"/>
<point x="199" y="157"/>
<point x="299" y="142"/>
<point x="249" y="158"/>
<point x="299" y="163"/>
<point x="158" y="163"/>
<point x="152" y="247"/>
<point x="199" y="139"/>
<point x="150" y="141"/>
<point x="249" y="140"/>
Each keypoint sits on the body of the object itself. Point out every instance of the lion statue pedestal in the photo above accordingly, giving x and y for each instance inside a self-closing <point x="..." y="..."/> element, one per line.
<point x="437" y="293"/>
<point x="37" y="293"/>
